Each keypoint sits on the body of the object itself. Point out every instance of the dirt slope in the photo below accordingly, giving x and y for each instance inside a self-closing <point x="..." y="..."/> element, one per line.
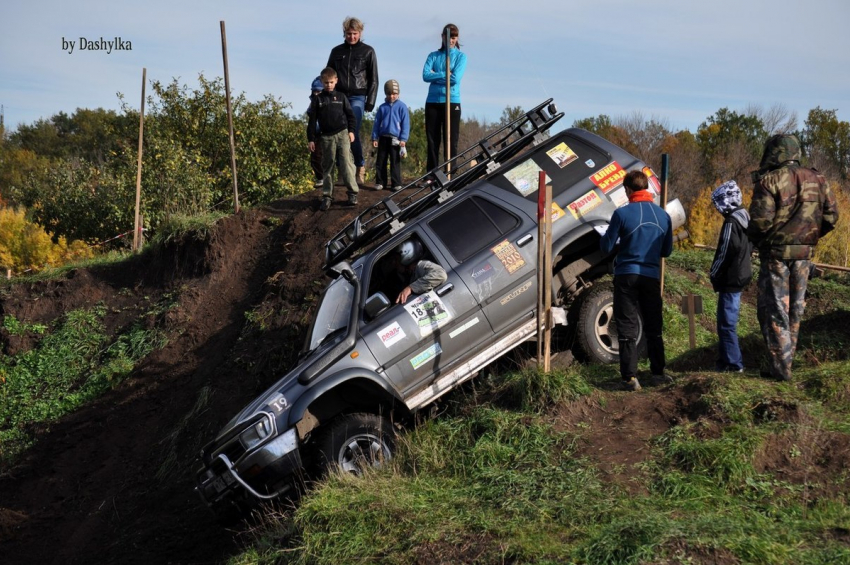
<point x="112" y="483"/>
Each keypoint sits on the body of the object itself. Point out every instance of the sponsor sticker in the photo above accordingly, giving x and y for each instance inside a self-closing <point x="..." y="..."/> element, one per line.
<point x="515" y="292"/>
<point x="429" y="313"/>
<point x="509" y="255"/>
<point x="425" y="356"/>
<point x="581" y="206"/>
<point x="619" y="197"/>
<point x="609" y="177"/>
<point x="557" y="212"/>
<point x="562" y="155"/>
<point x="457" y="331"/>
<point x="590" y="163"/>
<point x="391" y="334"/>
<point x="482" y="272"/>
<point x="526" y="177"/>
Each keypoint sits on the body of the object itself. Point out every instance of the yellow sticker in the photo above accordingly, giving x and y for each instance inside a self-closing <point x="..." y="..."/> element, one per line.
<point x="509" y="255"/>
<point x="581" y="206"/>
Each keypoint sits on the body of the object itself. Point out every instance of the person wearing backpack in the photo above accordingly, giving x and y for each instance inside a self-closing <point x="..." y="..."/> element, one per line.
<point x="731" y="271"/>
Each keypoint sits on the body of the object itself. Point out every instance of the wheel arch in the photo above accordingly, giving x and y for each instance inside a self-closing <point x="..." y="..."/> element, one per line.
<point x="574" y="255"/>
<point x="346" y="391"/>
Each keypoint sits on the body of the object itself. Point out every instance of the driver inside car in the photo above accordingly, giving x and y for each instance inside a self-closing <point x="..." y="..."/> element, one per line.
<point x="418" y="274"/>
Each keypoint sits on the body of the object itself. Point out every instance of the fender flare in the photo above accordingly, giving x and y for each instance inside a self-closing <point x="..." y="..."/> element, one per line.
<point x="567" y="276"/>
<point x="329" y="382"/>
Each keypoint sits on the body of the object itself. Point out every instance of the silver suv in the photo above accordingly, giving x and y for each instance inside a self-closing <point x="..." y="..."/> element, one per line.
<point x="369" y="362"/>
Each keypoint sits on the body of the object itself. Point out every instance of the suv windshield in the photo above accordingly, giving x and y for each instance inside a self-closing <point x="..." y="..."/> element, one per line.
<point x="333" y="312"/>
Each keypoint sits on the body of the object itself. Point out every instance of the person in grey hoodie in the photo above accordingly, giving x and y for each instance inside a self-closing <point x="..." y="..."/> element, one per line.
<point x="730" y="273"/>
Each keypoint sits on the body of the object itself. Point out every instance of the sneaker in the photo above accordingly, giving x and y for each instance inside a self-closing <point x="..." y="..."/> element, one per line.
<point x="662" y="379"/>
<point x="631" y="384"/>
<point x="395" y="188"/>
<point x="361" y="175"/>
<point x="352" y="199"/>
<point x="326" y="203"/>
<point x="379" y="187"/>
<point x="319" y="183"/>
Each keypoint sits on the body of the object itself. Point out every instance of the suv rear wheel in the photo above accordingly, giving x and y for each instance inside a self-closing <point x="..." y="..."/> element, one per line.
<point x="354" y="442"/>
<point x="596" y="330"/>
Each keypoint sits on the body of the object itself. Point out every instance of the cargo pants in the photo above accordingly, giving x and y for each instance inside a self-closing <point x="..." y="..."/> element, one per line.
<point x="781" y="302"/>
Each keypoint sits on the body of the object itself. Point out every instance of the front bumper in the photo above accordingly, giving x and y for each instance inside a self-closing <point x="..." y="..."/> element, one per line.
<point x="264" y="473"/>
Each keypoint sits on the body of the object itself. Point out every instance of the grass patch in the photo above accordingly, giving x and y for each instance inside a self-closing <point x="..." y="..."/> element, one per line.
<point x="179" y="227"/>
<point x="70" y="366"/>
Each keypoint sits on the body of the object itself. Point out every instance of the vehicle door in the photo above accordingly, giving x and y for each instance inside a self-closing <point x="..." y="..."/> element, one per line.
<point x="415" y="342"/>
<point x="493" y="251"/>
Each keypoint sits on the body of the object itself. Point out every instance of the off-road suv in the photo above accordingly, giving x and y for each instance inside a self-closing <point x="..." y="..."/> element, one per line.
<point x="368" y="360"/>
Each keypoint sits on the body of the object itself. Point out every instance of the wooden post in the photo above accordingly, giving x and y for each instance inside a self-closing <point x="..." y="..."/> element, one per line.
<point x="544" y="273"/>
<point x="230" y="120"/>
<point x="665" y="174"/>
<point x="136" y="244"/>
<point x="692" y="330"/>
<point x="447" y="40"/>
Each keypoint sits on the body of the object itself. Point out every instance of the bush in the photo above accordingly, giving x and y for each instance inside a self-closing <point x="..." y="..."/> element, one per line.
<point x="25" y="245"/>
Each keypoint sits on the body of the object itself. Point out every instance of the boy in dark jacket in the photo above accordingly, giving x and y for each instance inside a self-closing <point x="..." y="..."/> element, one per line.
<point x="731" y="271"/>
<point x="335" y="119"/>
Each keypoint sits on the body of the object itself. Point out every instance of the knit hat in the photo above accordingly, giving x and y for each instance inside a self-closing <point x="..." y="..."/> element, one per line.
<point x="317" y="84"/>
<point x="391" y="87"/>
<point x="727" y="197"/>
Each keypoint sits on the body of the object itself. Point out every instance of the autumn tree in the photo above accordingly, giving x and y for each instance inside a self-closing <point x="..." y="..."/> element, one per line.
<point x="826" y="141"/>
<point x="731" y="145"/>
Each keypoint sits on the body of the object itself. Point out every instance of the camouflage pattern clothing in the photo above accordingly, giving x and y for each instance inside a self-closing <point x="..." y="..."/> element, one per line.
<point x="792" y="208"/>
<point x="781" y="302"/>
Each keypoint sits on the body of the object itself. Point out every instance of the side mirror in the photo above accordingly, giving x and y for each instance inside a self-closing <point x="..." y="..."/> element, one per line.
<point x="376" y="305"/>
<point x="342" y="268"/>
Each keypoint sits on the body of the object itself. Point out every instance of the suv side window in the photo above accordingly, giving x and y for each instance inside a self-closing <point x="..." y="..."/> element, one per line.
<point x="471" y="226"/>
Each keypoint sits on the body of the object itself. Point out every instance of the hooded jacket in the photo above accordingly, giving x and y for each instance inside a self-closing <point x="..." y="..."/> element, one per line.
<point x="792" y="207"/>
<point x="732" y="269"/>
<point x="356" y="68"/>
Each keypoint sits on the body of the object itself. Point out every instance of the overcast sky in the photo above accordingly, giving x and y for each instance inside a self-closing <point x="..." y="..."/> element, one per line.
<point x="673" y="60"/>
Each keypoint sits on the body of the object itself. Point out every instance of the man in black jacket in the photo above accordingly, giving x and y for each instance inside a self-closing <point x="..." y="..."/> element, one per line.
<point x="357" y="68"/>
<point x="731" y="271"/>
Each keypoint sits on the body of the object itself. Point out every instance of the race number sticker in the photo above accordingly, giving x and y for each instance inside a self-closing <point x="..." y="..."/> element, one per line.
<point x="562" y="154"/>
<point x="509" y="255"/>
<point x="391" y="334"/>
<point x="429" y="313"/>
<point x="585" y="204"/>
<point x="609" y="177"/>
<point x="426" y="356"/>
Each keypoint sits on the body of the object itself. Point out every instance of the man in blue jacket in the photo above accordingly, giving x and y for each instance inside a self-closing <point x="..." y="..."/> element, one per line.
<point x="645" y="235"/>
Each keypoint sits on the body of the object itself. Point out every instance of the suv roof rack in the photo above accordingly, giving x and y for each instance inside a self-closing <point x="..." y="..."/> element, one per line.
<point x="439" y="184"/>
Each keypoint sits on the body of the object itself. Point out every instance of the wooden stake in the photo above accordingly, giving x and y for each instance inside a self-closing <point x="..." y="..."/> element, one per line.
<point x="665" y="174"/>
<point x="447" y="40"/>
<point x="230" y="120"/>
<point x="136" y="244"/>
<point x="692" y="330"/>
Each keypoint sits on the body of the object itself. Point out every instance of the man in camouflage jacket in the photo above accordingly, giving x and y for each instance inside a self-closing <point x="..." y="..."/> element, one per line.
<point x="792" y="208"/>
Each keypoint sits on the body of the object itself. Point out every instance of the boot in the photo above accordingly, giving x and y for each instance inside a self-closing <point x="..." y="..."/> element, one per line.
<point x="361" y="175"/>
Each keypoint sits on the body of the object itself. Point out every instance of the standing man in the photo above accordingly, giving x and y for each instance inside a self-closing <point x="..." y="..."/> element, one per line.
<point x="645" y="234"/>
<point x="792" y="208"/>
<point x="356" y="66"/>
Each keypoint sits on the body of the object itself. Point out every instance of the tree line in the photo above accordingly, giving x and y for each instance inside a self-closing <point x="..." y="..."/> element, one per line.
<point x="75" y="174"/>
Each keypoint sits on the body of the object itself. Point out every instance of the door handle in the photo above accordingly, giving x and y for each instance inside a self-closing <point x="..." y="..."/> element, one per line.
<point x="524" y="239"/>
<point x="444" y="289"/>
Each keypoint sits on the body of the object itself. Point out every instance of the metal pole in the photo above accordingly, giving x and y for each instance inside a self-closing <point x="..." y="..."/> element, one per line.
<point x="136" y="243"/>
<point x="547" y="275"/>
<point x="665" y="175"/>
<point x="447" y="40"/>
<point x="230" y="120"/>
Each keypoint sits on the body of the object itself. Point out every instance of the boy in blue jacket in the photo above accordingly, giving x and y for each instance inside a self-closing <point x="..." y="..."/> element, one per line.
<point x="389" y="135"/>
<point x="731" y="271"/>
<point x="645" y="234"/>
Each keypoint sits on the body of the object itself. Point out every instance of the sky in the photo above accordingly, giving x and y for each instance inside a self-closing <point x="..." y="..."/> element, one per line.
<point x="675" y="61"/>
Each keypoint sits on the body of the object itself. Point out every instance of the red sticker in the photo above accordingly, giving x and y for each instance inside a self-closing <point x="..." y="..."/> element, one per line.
<point x="609" y="177"/>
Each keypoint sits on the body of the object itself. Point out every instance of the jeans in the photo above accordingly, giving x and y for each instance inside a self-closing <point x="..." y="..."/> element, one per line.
<point x="729" y="353"/>
<point x="637" y="298"/>
<point x="358" y="105"/>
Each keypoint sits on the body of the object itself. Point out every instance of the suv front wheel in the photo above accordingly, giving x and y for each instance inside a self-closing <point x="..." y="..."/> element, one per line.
<point x="596" y="330"/>
<point x="354" y="442"/>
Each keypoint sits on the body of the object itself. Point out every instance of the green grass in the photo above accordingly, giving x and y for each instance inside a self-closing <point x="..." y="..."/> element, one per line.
<point x="70" y="366"/>
<point x="492" y="480"/>
<point x="179" y="226"/>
